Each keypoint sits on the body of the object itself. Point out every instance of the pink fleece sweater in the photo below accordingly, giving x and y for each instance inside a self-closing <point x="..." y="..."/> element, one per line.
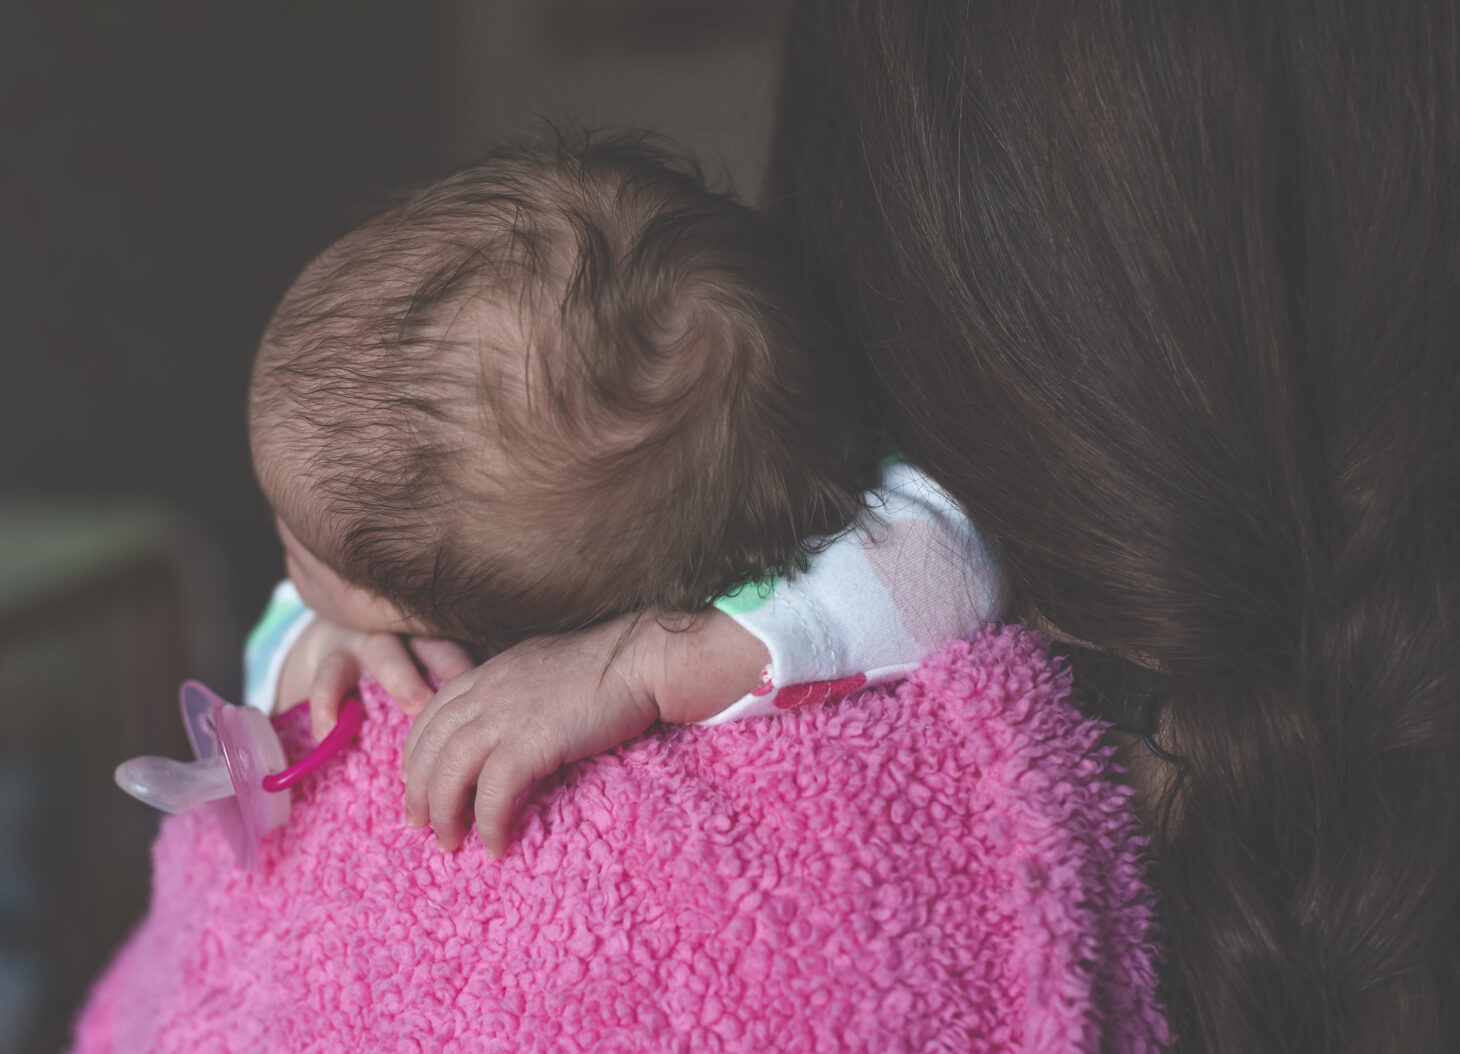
<point x="943" y="866"/>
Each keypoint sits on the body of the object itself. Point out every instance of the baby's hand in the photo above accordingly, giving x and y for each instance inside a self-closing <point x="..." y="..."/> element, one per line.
<point x="518" y="717"/>
<point x="327" y="660"/>
<point x="550" y="701"/>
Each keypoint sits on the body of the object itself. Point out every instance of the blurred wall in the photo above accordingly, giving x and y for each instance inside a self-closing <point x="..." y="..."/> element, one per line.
<point x="703" y="72"/>
<point x="167" y="168"/>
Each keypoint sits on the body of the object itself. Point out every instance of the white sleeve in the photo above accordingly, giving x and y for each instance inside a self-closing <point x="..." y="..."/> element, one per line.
<point x="913" y="575"/>
<point x="285" y="618"/>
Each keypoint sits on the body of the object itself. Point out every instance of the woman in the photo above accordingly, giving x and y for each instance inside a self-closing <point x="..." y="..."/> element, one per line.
<point x="1166" y="294"/>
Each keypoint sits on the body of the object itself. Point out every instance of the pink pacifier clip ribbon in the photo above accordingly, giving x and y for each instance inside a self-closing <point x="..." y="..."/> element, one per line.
<point x="352" y="716"/>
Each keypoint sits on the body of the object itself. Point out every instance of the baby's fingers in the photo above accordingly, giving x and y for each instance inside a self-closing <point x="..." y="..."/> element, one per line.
<point x="451" y="783"/>
<point x="504" y="776"/>
<point x="425" y="747"/>
<point x="333" y="679"/>
<point x="443" y="659"/>
<point x="387" y="660"/>
<point x="449" y="697"/>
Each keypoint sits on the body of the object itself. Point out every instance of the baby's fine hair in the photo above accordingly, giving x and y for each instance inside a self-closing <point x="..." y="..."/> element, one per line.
<point x="682" y="423"/>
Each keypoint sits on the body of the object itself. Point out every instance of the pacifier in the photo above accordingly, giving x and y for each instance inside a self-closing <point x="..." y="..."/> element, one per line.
<point x="240" y="772"/>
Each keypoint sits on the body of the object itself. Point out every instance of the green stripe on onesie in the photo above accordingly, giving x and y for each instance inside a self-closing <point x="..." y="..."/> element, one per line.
<point x="744" y="599"/>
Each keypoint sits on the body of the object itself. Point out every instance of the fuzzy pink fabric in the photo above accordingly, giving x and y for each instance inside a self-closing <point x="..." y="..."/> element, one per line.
<point x="943" y="866"/>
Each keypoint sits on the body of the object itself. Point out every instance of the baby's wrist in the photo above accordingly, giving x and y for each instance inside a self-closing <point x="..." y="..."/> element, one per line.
<point x="705" y="668"/>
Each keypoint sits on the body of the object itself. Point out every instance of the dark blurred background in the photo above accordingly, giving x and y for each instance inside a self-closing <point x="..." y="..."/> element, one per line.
<point x="167" y="168"/>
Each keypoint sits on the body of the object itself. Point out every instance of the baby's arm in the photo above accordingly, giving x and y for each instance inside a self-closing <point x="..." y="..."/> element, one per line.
<point x="516" y="718"/>
<point x="550" y="701"/>
<point x="868" y="609"/>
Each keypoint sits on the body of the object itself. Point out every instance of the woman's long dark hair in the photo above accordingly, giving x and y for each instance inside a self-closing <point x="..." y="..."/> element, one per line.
<point x="1168" y="294"/>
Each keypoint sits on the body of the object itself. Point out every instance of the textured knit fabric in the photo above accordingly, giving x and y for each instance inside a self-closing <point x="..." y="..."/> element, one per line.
<point x="943" y="866"/>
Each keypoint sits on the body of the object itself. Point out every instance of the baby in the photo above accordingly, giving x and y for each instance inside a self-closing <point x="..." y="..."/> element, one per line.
<point x="571" y="409"/>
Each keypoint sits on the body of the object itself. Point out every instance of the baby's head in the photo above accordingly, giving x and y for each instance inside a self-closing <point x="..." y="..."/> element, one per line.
<point x="566" y="383"/>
